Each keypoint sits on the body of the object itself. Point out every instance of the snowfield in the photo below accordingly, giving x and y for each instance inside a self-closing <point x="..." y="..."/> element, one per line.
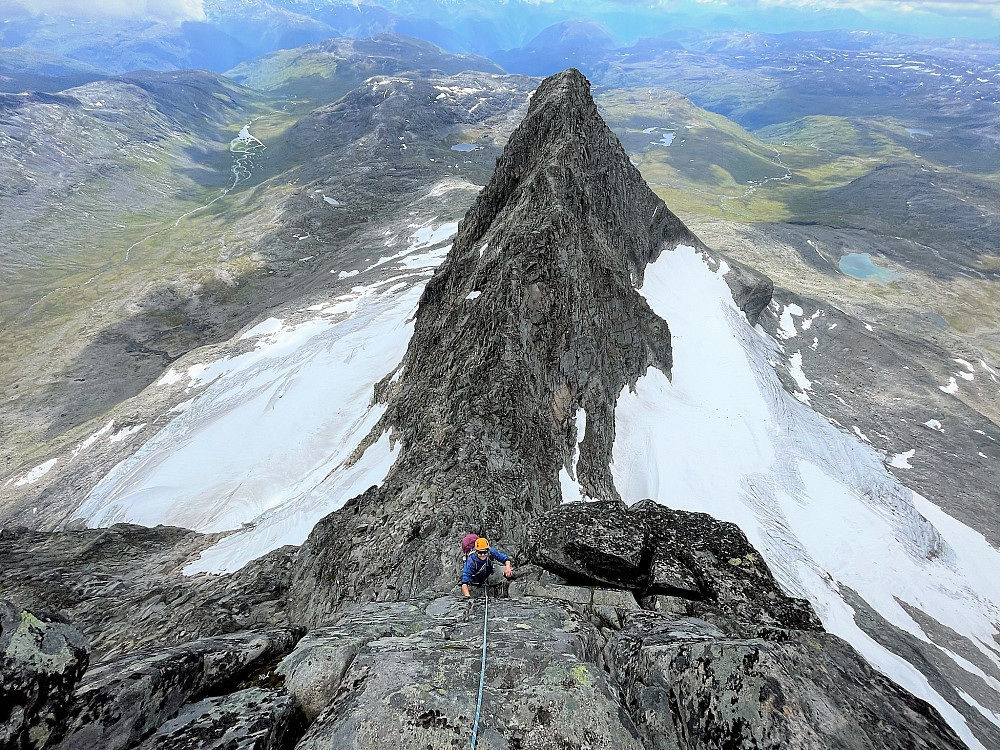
<point x="724" y="438"/>
<point x="269" y="446"/>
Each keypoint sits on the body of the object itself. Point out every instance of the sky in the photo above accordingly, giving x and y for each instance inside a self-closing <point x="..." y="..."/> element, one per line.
<point x="167" y="10"/>
<point x="629" y="18"/>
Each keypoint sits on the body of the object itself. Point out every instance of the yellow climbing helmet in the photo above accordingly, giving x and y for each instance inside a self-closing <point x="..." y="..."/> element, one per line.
<point x="482" y="544"/>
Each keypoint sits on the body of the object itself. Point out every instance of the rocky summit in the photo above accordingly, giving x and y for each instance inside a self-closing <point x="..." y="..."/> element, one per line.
<point x="628" y="626"/>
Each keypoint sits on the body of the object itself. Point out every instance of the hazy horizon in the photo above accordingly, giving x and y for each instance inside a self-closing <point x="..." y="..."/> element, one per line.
<point x="626" y="19"/>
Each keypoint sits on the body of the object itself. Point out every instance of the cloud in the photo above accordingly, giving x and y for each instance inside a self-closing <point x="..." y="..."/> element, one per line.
<point x="974" y="8"/>
<point x="159" y="10"/>
<point x="940" y="7"/>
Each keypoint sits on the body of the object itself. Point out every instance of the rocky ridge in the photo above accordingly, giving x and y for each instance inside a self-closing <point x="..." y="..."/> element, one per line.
<point x="533" y="316"/>
<point x="635" y="627"/>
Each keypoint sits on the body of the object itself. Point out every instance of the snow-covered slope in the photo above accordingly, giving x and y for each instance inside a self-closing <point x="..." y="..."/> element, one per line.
<point x="723" y="437"/>
<point x="274" y="442"/>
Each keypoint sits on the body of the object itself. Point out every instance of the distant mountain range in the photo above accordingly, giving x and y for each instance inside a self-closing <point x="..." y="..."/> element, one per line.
<point x="534" y="38"/>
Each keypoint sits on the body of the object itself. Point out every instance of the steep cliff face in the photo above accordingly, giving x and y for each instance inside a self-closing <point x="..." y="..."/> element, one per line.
<point x="532" y="320"/>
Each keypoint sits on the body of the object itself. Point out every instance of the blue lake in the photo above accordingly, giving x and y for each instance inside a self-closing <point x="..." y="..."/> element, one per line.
<point x="464" y="147"/>
<point x="860" y="266"/>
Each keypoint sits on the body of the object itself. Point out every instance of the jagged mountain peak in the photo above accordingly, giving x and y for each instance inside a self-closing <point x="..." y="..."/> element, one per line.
<point x="561" y="159"/>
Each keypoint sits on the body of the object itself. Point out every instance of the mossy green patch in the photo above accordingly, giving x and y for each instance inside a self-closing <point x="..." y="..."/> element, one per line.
<point x="581" y="674"/>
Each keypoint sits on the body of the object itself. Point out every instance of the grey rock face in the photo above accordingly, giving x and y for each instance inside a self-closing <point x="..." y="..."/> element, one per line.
<point x="121" y="586"/>
<point x="600" y="543"/>
<point x="123" y="699"/>
<point x="688" y="685"/>
<point x="41" y="660"/>
<point x="416" y="674"/>
<point x="251" y="719"/>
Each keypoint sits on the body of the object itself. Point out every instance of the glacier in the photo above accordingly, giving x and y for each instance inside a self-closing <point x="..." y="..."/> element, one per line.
<point x="271" y="443"/>
<point x="723" y="437"/>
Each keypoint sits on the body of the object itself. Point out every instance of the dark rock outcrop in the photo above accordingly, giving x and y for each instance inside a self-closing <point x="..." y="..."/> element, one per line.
<point x="123" y="699"/>
<point x="533" y="315"/>
<point x="121" y="586"/>
<point x="251" y="719"/>
<point x="735" y="663"/>
<point x="42" y="657"/>
<point x="690" y="685"/>
<point x="652" y="549"/>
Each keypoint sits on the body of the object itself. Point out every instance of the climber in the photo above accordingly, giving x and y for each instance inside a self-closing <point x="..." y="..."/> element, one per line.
<point x="478" y="568"/>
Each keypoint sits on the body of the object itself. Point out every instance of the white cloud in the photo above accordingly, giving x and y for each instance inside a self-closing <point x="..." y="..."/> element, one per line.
<point x="943" y="7"/>
<point x="961" y="8"/>
<point x="154" y="10"/>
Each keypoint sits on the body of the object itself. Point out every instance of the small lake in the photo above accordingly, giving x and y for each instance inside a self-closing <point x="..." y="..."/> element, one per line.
<point x="860" y="266"/>
<point x="666" y="137"/>
<point x="918" y="131"/>
<point x="464" y="147"/>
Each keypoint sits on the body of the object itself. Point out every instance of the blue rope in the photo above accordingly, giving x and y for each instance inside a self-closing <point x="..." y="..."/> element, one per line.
<point x="482" y="672"/>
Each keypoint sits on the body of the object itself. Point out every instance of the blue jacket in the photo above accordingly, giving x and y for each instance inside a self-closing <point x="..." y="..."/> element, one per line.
<point x="476" y="571"/>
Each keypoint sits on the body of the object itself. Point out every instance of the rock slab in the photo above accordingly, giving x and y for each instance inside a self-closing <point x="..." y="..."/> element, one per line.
<point x="123" y="699"/>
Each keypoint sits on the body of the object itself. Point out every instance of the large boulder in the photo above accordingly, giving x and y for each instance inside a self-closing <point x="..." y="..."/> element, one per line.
<point x="597" y="542"/>
<point x="654" y="550"/>
<point x="123" y="699"/>
<point x="42" y="657"/>
<point x="694" y="548"/>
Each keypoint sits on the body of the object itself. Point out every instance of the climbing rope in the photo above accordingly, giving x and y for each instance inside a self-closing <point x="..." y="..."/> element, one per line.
<point x="482" y="672"/>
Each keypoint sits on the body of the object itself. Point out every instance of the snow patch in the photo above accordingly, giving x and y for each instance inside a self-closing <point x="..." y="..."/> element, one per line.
<point x="93" y="438"/>
<point x="473" y="295"/>
<point x="125" y="433"/>
<point x="902" y="460"/>
<point x="569" y="482"/>
<point x="934" y="425"/>
<point x="290" y="523"/>
<point x="786" y="324"/>
<point x="170" y="378"/>
<point x="37" y="473"/>
<point x="274" y="441"/>
<point x="267" y="327"/>
<point x="952" y="386"/>
<point x="966" y="365"/>
<point x="795" y="369"/>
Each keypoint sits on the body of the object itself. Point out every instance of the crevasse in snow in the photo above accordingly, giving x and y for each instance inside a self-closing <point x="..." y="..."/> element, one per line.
<point x="723" y="437"/>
